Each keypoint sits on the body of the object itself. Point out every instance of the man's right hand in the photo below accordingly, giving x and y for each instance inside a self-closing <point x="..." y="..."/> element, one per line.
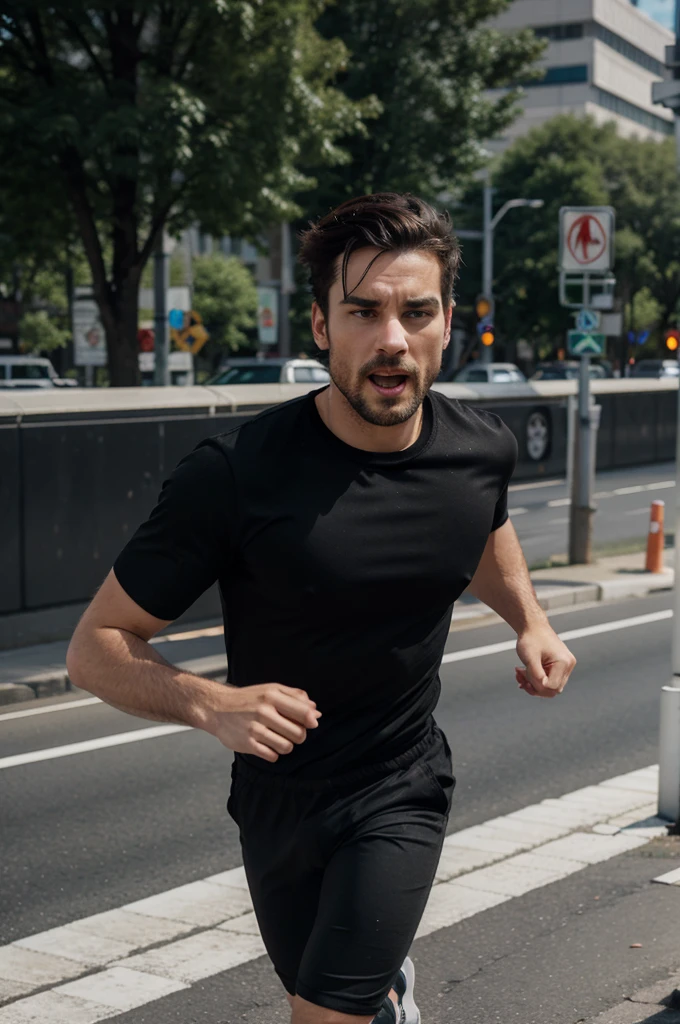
<point x="266" y="720"/>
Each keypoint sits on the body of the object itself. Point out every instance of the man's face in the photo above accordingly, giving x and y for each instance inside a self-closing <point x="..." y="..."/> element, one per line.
<point x="386" y="339"/>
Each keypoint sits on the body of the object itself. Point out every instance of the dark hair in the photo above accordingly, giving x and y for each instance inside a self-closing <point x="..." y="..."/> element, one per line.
<point x="388" y="221"/>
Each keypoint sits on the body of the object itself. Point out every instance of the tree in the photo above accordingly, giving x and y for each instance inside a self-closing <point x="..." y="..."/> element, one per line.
<point x="430" y="63"/>
<point x="572" y="161"/>
<point x="153" y="114"/>
<point x="226" y="297"/>
<point x="40" y="334"/>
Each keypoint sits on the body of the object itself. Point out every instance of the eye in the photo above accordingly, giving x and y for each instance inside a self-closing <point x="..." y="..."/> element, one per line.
<point x="418" y="314"/>
<point x="363" y="314"/>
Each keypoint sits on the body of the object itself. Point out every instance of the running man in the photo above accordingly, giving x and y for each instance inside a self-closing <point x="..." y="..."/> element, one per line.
<point x="341" y="527"/>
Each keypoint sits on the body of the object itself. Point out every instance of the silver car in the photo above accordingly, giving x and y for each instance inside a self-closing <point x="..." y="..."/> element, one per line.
<point x="271" y="371"/>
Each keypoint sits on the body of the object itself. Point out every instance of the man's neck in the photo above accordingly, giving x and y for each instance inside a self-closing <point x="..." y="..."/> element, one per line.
<point x="343" y="421"/>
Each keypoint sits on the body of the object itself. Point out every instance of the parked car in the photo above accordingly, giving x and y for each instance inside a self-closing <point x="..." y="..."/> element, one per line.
<point x="489" y="373"/>
<point x="567" y="370"/>
<point x="656" y="368"/>
<point x="30" y="372"/>
<point x="271" y="371"/>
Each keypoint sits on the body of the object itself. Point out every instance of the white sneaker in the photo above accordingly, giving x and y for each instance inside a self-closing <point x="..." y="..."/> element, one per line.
<point x="403" y="986"/>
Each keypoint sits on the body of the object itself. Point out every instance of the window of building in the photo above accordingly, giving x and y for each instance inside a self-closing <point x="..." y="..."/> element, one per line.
<point x="573" y="30"/>
<point x="626" y="49"/>
<point x="562" y="75"/>
<point x="619" y="106"/>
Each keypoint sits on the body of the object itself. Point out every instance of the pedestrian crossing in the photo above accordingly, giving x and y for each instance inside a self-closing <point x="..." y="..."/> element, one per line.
<point x="100" y="966"/>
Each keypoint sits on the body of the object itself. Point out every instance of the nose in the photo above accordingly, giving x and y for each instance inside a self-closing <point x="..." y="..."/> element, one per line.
<point x="393" y="337"/>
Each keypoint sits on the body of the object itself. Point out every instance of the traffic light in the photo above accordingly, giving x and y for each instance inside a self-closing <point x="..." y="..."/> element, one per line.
<point x="487" y="335"/>
<point x="482" y="307"/>
<point x="672" y="340"/>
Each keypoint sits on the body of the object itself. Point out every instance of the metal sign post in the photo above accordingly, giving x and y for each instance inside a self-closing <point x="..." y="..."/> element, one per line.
<point x="586" y="256"/>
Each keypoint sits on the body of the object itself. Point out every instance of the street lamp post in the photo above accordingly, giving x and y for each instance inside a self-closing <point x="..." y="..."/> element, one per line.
<point x="489" y="226"/>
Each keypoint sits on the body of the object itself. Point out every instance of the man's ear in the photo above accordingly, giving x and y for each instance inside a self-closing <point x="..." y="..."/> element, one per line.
<point x="319" y="329"/>
<point x="448" y="313"/>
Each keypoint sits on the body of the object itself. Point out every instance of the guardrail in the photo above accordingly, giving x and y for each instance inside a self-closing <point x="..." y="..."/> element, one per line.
<point x="80" y="468"/>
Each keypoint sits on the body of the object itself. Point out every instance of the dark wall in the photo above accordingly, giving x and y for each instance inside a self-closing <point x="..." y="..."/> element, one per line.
<point x="10" y="518"/>
<point x="73" y="490"/>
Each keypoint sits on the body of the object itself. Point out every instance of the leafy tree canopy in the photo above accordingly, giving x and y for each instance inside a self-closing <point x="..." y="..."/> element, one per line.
<point x="574" y="161"/>
<point x="430" y="63"/>
<point x="156" y="113"/>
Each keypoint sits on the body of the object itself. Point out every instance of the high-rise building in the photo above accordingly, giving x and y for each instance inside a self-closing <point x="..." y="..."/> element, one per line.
<point x="601" y="59"/>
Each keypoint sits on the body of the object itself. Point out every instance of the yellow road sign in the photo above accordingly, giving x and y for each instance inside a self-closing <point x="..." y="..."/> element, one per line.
<point x="193" y="336"/>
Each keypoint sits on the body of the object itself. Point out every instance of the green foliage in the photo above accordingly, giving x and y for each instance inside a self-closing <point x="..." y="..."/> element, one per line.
<point x="430" y="64"/>
<point x="40" y="334"/>
<point x="226" y="297"/>
<point x="574" y="161"/>
<point x="125" y="118"/>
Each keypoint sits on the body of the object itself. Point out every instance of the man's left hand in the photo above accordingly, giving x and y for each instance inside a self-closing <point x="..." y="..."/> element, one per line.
<point x="548" y="662"/>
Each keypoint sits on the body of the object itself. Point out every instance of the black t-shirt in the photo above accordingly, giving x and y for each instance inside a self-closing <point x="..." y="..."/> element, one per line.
<point x="337" y="567"/>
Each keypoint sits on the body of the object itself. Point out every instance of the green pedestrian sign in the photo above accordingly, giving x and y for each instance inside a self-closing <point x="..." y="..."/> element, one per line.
<point x="585" y="343"/>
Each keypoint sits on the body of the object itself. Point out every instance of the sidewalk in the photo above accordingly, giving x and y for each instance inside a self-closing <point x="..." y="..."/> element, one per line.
<point x="27" y="673"/>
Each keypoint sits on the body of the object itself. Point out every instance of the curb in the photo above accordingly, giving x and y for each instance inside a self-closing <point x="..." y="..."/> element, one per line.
<point x="53" y="684"/>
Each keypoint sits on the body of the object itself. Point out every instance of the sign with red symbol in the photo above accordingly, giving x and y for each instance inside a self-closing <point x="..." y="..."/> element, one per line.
<point x="586" y="238"/>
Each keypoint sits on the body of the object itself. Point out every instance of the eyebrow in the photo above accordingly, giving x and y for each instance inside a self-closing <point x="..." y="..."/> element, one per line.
<point x="430" y="301"/>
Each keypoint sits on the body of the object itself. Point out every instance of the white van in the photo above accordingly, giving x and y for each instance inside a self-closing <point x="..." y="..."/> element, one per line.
<point x="30" y="372"/>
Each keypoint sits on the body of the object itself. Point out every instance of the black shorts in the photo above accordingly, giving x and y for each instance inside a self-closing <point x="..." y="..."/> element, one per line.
<point x="340" y="870"/>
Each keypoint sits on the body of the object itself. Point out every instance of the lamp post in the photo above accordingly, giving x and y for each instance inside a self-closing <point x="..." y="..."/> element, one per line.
<point x="490" y="223"/>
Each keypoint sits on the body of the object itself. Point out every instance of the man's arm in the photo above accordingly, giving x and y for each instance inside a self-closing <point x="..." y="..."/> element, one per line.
<point x="110" y="655"/>
<point x="502" y="581"/>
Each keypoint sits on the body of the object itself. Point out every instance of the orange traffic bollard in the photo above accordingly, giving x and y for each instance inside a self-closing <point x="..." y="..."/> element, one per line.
<point x="655" y="539"/>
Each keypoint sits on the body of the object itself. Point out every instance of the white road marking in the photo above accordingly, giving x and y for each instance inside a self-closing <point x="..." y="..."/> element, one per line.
<point x="570" y="634"/>
<point x="106" y="964"/>
<point x="630" y="490"/>
<point x="49" y="708"/>
<point x="518" y="511"/>
<point x="670" y="878"/>
<point x="559" y="502"/>
<point x="637" y="511"/>
<point x="119" y="739"/>
<point x="537" y="485"/>
<point x="85" y="746"/>
<point x="190" y="634"/>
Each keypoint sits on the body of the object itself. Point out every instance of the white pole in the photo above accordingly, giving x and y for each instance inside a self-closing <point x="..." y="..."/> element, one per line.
<point x="669" y="754"/>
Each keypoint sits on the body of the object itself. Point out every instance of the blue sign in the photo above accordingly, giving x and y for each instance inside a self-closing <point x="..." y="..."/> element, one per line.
<point x="587" y="320"/>
<point x="176" y="319"/>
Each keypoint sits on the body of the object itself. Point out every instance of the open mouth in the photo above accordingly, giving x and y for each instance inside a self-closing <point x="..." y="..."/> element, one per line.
<point x="388" y="385"/>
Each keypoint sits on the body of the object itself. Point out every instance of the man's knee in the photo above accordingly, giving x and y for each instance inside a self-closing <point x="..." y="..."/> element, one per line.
<point x="305" y="1012"/>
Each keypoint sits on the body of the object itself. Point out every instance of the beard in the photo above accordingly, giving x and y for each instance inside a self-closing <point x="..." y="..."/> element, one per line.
<point x="383" y="410"/>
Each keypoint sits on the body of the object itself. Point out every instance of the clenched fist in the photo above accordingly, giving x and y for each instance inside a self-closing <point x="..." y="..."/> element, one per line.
<point x="266" y="720"/>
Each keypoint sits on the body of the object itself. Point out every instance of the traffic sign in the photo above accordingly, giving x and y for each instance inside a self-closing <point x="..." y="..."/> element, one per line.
<point x="585" y="343"/>
<point x="193" y="337"/>
<point x="176" y="319"/>
<point x="587" y="320"/>
<point x="586" y="238"/>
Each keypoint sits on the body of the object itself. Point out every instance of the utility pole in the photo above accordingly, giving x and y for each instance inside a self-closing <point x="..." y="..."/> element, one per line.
<point x="287" y="287"/>
<point x="487" y="260"/>
<point x="161" y="345"/>
<point x="667" y="93"/>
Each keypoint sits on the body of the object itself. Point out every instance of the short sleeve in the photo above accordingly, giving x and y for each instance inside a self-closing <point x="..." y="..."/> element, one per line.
<point x="186" y="543"/>
<point x="500" y="515"/>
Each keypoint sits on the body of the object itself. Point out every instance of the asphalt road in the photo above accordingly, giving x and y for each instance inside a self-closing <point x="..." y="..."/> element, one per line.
<point x="540" y="510"/>
<point x="89" y="832"/>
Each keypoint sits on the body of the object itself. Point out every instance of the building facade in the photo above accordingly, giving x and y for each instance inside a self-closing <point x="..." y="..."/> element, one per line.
<point x="601" y="59"/>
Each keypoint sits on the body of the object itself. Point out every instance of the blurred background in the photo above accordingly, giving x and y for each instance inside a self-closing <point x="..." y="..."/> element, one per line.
<point x="159" y="160"/>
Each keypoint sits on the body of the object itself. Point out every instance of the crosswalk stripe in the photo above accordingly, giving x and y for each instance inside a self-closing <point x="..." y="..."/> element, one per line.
<point x="121" y="959"/>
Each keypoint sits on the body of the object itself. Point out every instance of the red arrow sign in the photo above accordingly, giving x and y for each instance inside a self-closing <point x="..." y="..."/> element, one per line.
<point x="587" y="239"/>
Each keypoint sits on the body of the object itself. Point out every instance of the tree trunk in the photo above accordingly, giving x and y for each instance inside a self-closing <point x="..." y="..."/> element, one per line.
<point x="121" y="336"/>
